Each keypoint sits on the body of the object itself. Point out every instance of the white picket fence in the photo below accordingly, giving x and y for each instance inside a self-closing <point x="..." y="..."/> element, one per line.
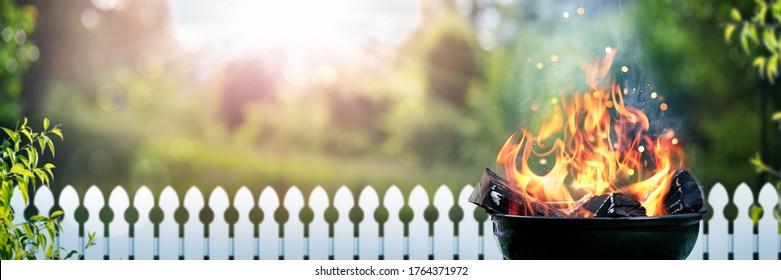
<point x="252" y="226"/>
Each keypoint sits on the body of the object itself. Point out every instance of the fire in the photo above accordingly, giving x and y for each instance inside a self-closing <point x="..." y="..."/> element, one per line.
<point x="593" y="144"/>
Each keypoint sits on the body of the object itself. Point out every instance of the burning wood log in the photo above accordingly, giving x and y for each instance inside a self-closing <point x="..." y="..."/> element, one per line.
<point x="620" y="205"/>
<point x="610" y="205"/>
<point x="496" y="195"/>
<point x="684" y="196"/>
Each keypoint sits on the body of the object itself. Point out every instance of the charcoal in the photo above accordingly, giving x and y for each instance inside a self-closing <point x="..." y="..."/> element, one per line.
<point x="684" y="195"/>
<point x="496" y="195"/>
<point x="620" y="205"/>
<point x="595" y="202"/>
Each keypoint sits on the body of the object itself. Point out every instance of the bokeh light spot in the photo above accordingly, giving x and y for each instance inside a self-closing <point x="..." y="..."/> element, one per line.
<point x="140" y="95"/>
<point x="325" y="77"/>
<point x="581" y="11"/>
<point x="7" y="33"/>
<point x="624" y="69"/>
<point x="565" y="14"/>
<point x="653" y="95"/>
<point x="150" y="64"/>
<point x="554" y="58"/>
<point x="663" y="106"/>
<point x="297" y="72"/>
<point x="181" y="149"/>
<point x="90" y="18"/>
<point x="33" y="53"/>
<point x="540" y="65"/>
<point x="110" y="97"/>
<point x="20" y="37"/>
<point x="11" y="65"/>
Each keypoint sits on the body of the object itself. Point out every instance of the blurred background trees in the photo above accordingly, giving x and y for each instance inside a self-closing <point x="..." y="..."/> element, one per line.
<point x="382" y="93"/>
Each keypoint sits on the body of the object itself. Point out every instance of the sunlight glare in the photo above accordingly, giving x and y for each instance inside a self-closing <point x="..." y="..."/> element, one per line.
<point x="239" y="27"/>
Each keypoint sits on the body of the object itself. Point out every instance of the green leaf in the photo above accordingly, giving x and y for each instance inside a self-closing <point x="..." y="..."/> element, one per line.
<point x="48" y="166"/>
<point x="27" y="133"/>
<point x="728" y="31"/>
<point x="58" y="132"/>
<point x="45" y="123"/>
<point x="49" y="143"/>
<point x="772" y="67"/>
<point x="56" y="214"/>
<point x="770" y="40"/>
<point x="11" y="134"/>
<point x="42" y="145"/>
<point x="23" y="190"/>
<point x="760" y="17"/>
<point x="758" y="163"/>
<point x="760" y="62"/>
<point x="735" y="14"/>
<point x="48" y="254"/>
<point x="752" y="33"/>
<point x="24" y="123"/>
<point x="11" y="154"/>
<point x="19" y="169"/>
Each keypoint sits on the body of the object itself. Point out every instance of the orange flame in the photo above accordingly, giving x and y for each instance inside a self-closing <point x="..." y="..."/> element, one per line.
<point x="593" y="144"/>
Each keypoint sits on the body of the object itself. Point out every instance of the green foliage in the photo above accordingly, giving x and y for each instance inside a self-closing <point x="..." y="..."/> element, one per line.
<point x="20" y="167"/>
<point x="17" y="52"/>
<point x="764" y="50"/>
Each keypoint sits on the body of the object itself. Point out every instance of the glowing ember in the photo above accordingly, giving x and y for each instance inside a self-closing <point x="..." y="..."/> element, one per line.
<point x="593" y="144"/>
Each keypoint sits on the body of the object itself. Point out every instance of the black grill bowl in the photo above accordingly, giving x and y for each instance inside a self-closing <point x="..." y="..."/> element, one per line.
<point x="550" y="238"/>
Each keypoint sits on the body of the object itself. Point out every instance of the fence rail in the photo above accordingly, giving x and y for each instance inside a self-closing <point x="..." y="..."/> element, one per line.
<point x="266" y="224"/>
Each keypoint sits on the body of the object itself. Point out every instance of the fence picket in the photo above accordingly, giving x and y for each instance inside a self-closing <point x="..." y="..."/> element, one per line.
<point x="743" y="226"/>
<point x="44" y="200"/>
<point x="269" y="229"/>
<point x="93" y="201"/>
<point x="243" y="230"/>
<point x="193" y="228"/>
<point x="219" y="245"/>
<point x="769" y="237"/>
<point x="444" y="237"/>
<point x="368" y="229"/>
<point x="418" y="227"/>
<point x="69" y="237"/>
<point x="393" y="240"/>
<point x="17" y="203"/>
<point x="467" y="228"/>
<point x="343" y="228"/>
<point x="717" y="226"/>
<point x="696" y="253"/>
<point x="118" y="229"/>
<point x="168" y="236"/>
<point x="318" y="229"/>
<point x="294" y="229"/>
<point x="143" y="230"/>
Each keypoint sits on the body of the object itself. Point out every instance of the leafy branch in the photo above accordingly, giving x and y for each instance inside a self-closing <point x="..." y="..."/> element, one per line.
<point x="20" y="167"/>
<point x="765" y="51"/>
